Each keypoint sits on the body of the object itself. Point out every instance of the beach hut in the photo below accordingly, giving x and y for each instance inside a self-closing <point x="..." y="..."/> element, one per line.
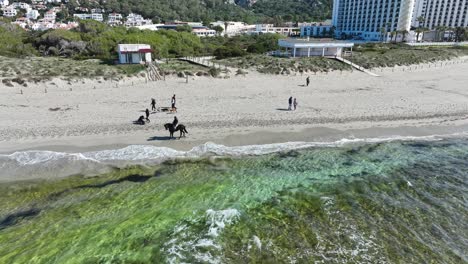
<point x="134" y="53"/>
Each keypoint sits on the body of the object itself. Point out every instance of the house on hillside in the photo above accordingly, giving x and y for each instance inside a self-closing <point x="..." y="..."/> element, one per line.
<point x="50" y="16"/>
<point x="10" y="12"/>
<point x="134" y="53"/>
<point x="4" y="3"/>
<point x="93" y="16"/>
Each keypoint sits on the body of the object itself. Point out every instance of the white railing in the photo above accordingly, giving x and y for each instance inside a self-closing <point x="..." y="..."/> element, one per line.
<point x="437" y="44"/>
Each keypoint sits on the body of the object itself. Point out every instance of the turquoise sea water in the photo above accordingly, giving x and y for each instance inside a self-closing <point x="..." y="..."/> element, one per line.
<point x="388" y="202"/>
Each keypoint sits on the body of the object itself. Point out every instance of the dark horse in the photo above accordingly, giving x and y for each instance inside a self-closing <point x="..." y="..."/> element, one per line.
<point x="171" y="129"/>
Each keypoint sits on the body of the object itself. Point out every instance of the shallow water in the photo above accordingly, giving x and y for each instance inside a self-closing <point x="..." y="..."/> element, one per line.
<point x="389" y="202"/>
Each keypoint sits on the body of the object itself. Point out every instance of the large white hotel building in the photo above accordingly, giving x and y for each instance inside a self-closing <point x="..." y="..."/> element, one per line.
<point x="365" y="18"/>
<point x="447" y="13"/>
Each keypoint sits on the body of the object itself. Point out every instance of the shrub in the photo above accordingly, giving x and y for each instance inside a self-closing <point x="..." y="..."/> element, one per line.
<point x="214" y="72"/>
<point x="228" y="52"/>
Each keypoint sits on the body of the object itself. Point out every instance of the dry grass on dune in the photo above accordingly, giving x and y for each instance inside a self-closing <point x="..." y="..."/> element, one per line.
<point x="385" y="55"/>
<point x="369" y="56"/>
<point x="275" y="65"/>
<point x="39" y="69"/>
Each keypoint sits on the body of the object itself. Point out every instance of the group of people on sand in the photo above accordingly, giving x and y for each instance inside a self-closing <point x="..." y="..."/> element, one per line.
<point x="143" y="120"/>
<point x="292" y="103"/>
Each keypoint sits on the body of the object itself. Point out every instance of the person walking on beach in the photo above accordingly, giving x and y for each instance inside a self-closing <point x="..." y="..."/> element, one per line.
<point x="173" y="102"/>
<point x="295" y="104"/>
<point x="290" y="101"/>
<point x="175" y="122"/>
<point x="153" y="104"/>
<point x="147" y="114"/>
<point x="307" y="81"/>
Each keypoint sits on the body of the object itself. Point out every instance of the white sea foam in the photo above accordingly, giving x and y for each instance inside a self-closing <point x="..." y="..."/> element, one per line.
<point x="201" y="245"/>
<point x="36" y="164"/>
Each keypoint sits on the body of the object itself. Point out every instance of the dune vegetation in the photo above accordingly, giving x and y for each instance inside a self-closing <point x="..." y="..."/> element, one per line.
<point x="390" y="55"/>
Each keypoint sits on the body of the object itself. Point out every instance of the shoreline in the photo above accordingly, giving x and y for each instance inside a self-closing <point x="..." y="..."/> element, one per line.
<point x="243" y="137"/>
<point x="47" y="160"/>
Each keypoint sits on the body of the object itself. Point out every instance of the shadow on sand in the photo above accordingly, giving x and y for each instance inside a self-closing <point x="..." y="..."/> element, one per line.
<point x="157" y="138"/>
<point x="282" y="109"/>
<point x="139" y="123"/>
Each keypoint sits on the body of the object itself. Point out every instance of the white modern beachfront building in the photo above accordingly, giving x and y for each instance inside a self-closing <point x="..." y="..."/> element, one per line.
<point x="370" y="20"/>
<point x="134" y="53"/>
<point x="441" y="13"/>
<point x="306" y="48"/>
<point x="92" y="16"/>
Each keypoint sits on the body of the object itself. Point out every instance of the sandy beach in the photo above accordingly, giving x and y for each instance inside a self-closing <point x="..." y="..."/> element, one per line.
<point x="93" y="115"/>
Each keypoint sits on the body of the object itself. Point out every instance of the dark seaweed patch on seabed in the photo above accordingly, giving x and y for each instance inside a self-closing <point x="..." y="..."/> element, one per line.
<point x="15" y="218"/>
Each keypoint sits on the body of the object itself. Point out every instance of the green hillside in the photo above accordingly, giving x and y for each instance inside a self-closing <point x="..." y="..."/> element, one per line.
<point x="294" y="10"/>
<point x="211" y="10"/>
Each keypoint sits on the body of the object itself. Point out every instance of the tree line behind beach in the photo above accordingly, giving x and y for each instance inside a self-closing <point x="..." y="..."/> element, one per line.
<point x="95" y="40"/>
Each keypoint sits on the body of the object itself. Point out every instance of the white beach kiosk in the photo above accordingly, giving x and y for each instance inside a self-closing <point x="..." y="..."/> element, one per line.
<point x="307" y="48"/>
<point x="134" y="53"/>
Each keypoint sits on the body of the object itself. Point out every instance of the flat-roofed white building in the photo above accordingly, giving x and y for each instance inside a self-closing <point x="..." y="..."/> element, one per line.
<point x="97" y="17"/>
<point x="365" y="19"/>
<point x="82" y="16"/>
<point x="437" y="13"/>
<point x="50" y="16"/>
<point x="10" y="12"/>
<point x="232" y="28"/>
<point x="306" y="48"/>
<point x="32" y="14"/>
<point x="134" y="53"/>
<point x="270" y="28"/>
<point x="204" y="32"/>
<point x="97" y="10"/>
<point x="115" y="19"/>
<point x="134" y="20"/>
<point x="115" y="16"/>
<point x="21" y="5"/>
<point x="4" y="2"/>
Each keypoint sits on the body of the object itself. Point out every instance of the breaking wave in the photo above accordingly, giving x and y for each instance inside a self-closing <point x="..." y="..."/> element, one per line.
<point x="49" y="164"/>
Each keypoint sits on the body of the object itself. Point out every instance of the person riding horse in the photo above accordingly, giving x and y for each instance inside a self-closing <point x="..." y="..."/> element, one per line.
<point x="173" y="129"/>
